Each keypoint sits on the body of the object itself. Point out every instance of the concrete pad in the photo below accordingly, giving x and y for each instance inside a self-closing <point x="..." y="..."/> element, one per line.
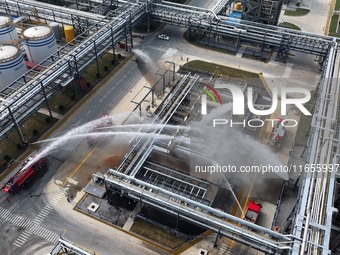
<point x="93" y="207"/>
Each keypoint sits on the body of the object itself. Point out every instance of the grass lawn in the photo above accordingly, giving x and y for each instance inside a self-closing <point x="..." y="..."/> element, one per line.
<point x="335" y="35"/>
<point x="305" y="122"/>
<point x="157" y="234"/>
<point x="334" y="24"/>
<point x="297" y="12"/>
<point x="32" y="129"/>
<point x="337" y="5"/>
<point x="289" y="25"/>
<point x="220" y="70"/>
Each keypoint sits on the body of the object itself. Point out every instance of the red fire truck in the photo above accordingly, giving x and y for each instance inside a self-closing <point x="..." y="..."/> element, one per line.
<point x="20" y="178"/>
<point x="253" y="211"/>
<point x="106" y="121"/>
<point x="277" y="134"/>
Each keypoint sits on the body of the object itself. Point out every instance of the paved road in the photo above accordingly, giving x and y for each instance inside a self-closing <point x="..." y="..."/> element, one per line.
<point x="33" y="216"/>
<point x="315" y="21"/>
<point x="35" y="206"/>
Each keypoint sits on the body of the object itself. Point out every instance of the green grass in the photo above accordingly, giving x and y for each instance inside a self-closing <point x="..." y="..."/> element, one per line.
<point x="105" y="66"/>
<point x="235" y="74"/>
<point x="305" y="122"/>
<point x="157" y="234"/>
<point x="8" y="146"/>
<point x="335" y="35"/>
<point x="337" y="5"/>
<point x="220" y="70"/>
<point x="334" y="24"/>
<point x="289" y="25"/>
<point x="297" y="12"/>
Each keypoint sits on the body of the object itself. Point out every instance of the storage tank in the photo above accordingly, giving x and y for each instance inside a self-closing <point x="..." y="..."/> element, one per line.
<point x="7" y="30"/>
<point x="238" y="6"/>
<point x="12" y="64"/>
<point x="39" y="43"/>
<point x="56" y="30"/>
<point x="69" y="33"/>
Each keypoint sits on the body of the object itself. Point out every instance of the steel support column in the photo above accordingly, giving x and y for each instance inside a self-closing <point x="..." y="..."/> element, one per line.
<point x="113" y="61"/>
<point x="163" y="76"/>
<point x="16" y="125"/>
<point x="173" y="69"/>
<point x="97" y="62"/>
<point x="47" y="105"/>
<point x="130" y="28"/>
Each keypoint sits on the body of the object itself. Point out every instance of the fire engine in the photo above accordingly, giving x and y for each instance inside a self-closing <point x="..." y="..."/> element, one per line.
<point x="105" y="122"/>
<point x="20" y="178"/>
<point x="253" y="211"/>
<point x="278" y="134"/>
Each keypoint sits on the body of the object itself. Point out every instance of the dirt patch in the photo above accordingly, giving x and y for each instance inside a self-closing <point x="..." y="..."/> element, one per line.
<point x="157" y="234"/>
<point x="114" y="160"/>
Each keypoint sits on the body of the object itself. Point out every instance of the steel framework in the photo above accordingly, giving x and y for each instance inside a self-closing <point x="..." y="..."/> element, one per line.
<point x="215" y="28"/>
<point x="196" y="19"/>
<point x="24" y="96"/>
<point x="263" y="11"/>
<point x="181" y="194"/>
<point x="313" y="214"/>
<point x="68" y="248"/>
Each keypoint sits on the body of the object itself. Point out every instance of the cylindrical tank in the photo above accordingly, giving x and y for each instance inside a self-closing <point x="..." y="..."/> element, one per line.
<point x="7" y="30"/>
<point x="56" y="31"/>
<point x="69" y="33"/>
<point x="238" y="6"/>
<point x="39" y="43"/>
<point x="12" y="64"/>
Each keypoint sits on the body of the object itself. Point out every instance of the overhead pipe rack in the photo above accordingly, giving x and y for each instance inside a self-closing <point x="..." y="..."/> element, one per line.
<point x="199" y="212"/>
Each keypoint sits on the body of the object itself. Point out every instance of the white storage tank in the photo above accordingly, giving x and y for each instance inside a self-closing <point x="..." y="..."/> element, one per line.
<point x="12" y="64"/>
<point x="8" y="32"/>
<point x="39" y="43"/>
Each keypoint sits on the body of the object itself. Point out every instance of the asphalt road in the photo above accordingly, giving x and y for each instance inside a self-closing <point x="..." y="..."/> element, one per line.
<point x="33" y="199"/>
<point x="43" y="222"/>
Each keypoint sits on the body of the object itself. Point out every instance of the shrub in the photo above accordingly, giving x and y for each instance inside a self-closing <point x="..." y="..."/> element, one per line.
<point x="61" y="108"/>
<point x="35" y="132"/>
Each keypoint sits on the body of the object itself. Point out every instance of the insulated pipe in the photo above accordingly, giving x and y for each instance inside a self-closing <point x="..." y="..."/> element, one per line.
<point x="190" y="211"/>
<point x="197" y="204"/>
<point x="73" y="247"/>
<point x="314" y="156"/>
<point x="229" y="234"/>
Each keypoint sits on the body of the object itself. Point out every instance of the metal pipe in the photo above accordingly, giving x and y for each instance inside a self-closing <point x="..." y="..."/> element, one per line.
<point x="259" y="239"/>
<point x="204" y="207"/>
<point x="314" y="156"/>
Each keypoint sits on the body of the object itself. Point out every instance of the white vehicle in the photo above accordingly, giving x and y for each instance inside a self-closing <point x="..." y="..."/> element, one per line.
<point x="164" y="37"/>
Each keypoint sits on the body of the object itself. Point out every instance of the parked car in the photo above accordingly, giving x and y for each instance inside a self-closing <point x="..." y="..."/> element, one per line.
<point x="164" y="37"/>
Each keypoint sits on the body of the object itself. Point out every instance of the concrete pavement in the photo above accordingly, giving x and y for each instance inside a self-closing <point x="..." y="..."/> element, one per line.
<point x="315" y="21"/>
<point x="81" y="228"/>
